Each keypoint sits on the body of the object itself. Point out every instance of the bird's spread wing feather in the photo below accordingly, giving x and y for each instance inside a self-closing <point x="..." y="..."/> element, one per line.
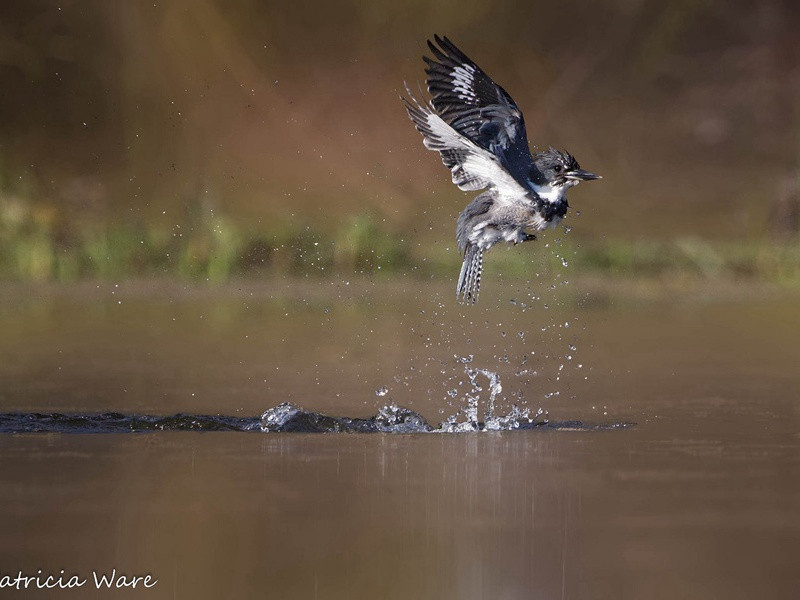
<point x="472" y="167"/>
<point x="475" y="106"/>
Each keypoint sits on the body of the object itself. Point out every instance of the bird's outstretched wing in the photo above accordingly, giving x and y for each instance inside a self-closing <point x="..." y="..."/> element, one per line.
<point x="472" y="166"/>
<point x="471" y="103"/>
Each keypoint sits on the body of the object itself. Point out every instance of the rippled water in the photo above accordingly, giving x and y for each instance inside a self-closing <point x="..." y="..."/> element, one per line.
<point x="700" y="498"/>
<point x="284" y="418"/>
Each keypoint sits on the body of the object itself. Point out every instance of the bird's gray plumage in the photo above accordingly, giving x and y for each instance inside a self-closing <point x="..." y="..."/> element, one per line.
<point x="469" y="280"/>
<point x="480" y="134"/>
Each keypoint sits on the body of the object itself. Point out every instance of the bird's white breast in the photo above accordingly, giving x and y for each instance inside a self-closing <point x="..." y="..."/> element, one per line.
<point x="550" y="193"/>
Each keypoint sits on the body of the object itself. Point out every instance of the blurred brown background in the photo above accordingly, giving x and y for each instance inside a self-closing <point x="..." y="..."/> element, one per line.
<point x="267" y="112"/>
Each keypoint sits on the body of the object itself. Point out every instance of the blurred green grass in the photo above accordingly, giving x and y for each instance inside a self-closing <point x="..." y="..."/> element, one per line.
<point x="36" y="246"/>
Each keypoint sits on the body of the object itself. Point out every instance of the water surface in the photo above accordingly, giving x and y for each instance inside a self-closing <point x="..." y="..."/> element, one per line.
<point x="700" y="499"/>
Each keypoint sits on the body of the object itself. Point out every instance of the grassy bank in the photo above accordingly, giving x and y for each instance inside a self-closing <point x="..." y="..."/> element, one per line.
<point x="35" y="246"/>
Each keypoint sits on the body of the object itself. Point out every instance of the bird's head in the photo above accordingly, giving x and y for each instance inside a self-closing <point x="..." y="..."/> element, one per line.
<point x="560" y="169"/>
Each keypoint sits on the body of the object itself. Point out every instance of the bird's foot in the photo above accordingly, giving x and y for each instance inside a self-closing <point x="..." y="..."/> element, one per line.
<point x="525" y="237"/>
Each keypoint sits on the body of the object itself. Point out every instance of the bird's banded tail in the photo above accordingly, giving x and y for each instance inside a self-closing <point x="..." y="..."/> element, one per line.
<point x="469" y="281"/>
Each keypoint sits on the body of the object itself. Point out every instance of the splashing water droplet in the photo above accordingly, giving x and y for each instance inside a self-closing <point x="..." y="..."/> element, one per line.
<point x="510" y="421"/>
<point x="394" y="419"/>
<point x="276" y="417"/>
<point x="381" y="391"/>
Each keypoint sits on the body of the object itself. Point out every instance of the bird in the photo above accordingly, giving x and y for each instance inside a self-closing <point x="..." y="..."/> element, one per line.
<point x="479" y="131"/>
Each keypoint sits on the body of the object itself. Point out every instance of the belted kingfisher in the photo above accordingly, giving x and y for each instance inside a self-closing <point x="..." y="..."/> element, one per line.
<point x="480" y="133"/>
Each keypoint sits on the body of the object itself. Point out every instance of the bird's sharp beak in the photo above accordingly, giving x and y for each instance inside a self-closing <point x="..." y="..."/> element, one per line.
<point x="581" y="175"/>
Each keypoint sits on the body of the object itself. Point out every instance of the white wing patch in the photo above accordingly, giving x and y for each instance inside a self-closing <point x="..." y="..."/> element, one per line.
<point x="463" y="83"/>
<point x="472" y="167"/>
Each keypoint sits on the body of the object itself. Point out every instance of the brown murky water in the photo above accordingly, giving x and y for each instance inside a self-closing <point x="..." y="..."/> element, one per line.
<point x="701" y="499"/>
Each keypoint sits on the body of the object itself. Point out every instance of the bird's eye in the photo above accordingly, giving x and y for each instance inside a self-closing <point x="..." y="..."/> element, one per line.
<point x="557" y="168"/>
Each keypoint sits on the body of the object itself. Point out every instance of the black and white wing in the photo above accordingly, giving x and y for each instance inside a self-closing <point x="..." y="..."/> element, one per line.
<point x="472" y="166"/>
<point x="475" y="106"/>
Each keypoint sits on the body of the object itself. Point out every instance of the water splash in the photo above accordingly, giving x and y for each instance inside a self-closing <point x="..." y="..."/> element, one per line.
<point x="275" y="418"/>
<point x="467" y="418"/>
<point x="510" y="421"/>
<point x="395" y="419"/>
<point x="495" y="388"/>
<point x="284" y="418"/>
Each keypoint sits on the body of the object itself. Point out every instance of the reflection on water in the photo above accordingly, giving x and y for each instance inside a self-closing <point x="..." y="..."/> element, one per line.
<point x="699" y="500"/>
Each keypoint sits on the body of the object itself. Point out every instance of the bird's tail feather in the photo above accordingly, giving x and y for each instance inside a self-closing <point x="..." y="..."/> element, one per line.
<point x="469" y="281"/>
